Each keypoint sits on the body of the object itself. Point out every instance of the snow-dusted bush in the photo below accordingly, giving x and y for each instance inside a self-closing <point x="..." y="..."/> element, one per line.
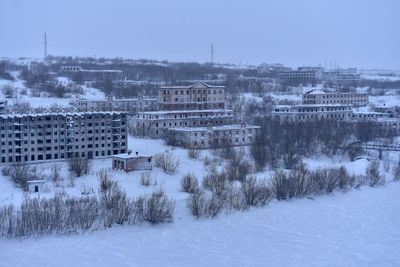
<point x="302" y="182"/>
<point x="55" y="172"/>
<point x="373" y="176"/>
<point x="115" y="206"/>
<point x="145" y="179"/>
<point x="213" y="205"/>
<point x="63" y="214"/>
<point x="38" y="216"/>
<point x="194" y="153"/>
<point x="167" y="162"/>
<point x="237" y="168"/>
<point x="195" y="202"/>
<point x="396" y="174"/>
<point x="158" y="208"/>
<point x="256" y="193"/>
<point x="215" y="181"/>
<point x="189" y="183"/>
<point x="21" y="174"/>
<point x="79" y="166"/>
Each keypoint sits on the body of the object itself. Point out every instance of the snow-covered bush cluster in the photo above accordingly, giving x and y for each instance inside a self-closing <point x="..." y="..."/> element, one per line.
<point x="219" y="192"/>
<point x="62" y="214"/>
<point x="167" y="162"/>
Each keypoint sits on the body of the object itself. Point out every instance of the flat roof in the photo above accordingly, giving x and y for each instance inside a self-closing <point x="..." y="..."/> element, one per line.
<point x="184" y="111"/>
<point x="130" y="156"/>
<point x="215" y="128"/>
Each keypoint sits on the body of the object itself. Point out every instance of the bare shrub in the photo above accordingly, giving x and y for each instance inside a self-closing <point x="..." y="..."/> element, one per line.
<point x="237" y="168"/>
<point x="215" y="182"/>
<point x="189" y="183"/>
<point x="115" y="206"/>
<point x="21" y="173"/>
<point x="167" y="162"/>
<point x="234" y="199"/>
<point x="9" y="91"/>
<point x="79" y="166"/>
<point x="145" y="179"/>
<point x="206" y="161"/>
<point x="194" y="153"/>
<point x="396" y="173"/>
<point x="196" y="202"/>
<point x="55" y="172"/>
<point x="256" y="193"/>
<point x="213" y="205"/>
<point x="158" y="208"/>
<point x="373" y="176"/>
<point x="38" y="216"/>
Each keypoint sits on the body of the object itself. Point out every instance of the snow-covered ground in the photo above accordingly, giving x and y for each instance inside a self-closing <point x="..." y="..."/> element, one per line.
<point x="43" y="101"/>
<point x="358" y="228"/>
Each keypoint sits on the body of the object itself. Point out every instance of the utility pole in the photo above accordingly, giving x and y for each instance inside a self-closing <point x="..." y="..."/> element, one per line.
<point x="212" y="54"/>
<point x="45" y="46"/>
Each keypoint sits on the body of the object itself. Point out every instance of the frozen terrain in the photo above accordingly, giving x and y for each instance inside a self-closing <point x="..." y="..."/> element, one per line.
<point x="358" y="228"/>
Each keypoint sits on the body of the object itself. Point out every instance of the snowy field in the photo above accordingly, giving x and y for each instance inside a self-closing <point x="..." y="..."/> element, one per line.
<point x="358" y="228"/>
<point x="44" y="101"/>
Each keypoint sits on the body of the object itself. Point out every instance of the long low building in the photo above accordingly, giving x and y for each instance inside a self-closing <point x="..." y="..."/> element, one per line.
<point x="156" y="124"/>
<point x="131" y="105"/>
<point x="320" y="97"/>
<point x="312" y="112"/>
<point x="58" y="136"/>
<point x="213" y="136"/>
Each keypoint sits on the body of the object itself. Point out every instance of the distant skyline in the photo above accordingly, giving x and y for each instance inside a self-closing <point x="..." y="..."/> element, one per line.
<point x="363" y="34"/>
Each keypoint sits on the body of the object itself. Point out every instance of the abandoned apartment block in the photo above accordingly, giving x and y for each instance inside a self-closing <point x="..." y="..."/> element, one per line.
<point x="57" y="136"/>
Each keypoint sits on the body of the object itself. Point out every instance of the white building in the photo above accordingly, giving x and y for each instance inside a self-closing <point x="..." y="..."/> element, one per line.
<point x="312" y="112"/>
<point x="321" y="97"/>
<point x="213" y="136"/>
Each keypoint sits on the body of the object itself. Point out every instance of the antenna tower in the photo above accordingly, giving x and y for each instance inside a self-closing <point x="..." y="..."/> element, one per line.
<point x="212" y="54"/>
<point x="45" y="46"/>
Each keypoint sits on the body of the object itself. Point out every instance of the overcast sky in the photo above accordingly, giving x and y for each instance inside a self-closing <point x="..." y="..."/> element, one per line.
<point x="360" y="33"/>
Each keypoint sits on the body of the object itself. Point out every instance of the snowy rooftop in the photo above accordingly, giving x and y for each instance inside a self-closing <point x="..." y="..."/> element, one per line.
<point x="194" y="86"/>
<point x="183" y="111"/>
<point x="311" y="105"/>
<point x="129" y="156"/>
<point x="214" y="128"/>
<point x="35" y="181"/>
<point x="6" y="116"/>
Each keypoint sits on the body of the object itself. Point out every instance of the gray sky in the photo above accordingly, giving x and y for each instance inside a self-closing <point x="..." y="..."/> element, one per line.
<point x="360" y="33"/>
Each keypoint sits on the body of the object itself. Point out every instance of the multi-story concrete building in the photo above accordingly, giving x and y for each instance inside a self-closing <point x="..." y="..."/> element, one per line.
<point x="210" y="136"/>
<point x="320" y="97"/>
<point x="131" y="106"/>
<point x="156" y="124"/>
<point x="307" y="73"/>
<point x="198" y="96"/>
<point x="58" y="136"/>
<point x="312" y="112"/>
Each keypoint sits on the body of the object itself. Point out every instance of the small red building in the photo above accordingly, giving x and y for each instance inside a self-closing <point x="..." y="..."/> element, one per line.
<point x="131" y="162"/>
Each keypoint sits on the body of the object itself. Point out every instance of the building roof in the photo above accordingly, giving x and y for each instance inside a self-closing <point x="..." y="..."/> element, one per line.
<point x="162" y="112"/>
<point x="22" y="115"/>
<point x="129" y="156"/>
<point x="197" y="85"/>
<point x="35" y="181"/>
<point x="214" y="128"/>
